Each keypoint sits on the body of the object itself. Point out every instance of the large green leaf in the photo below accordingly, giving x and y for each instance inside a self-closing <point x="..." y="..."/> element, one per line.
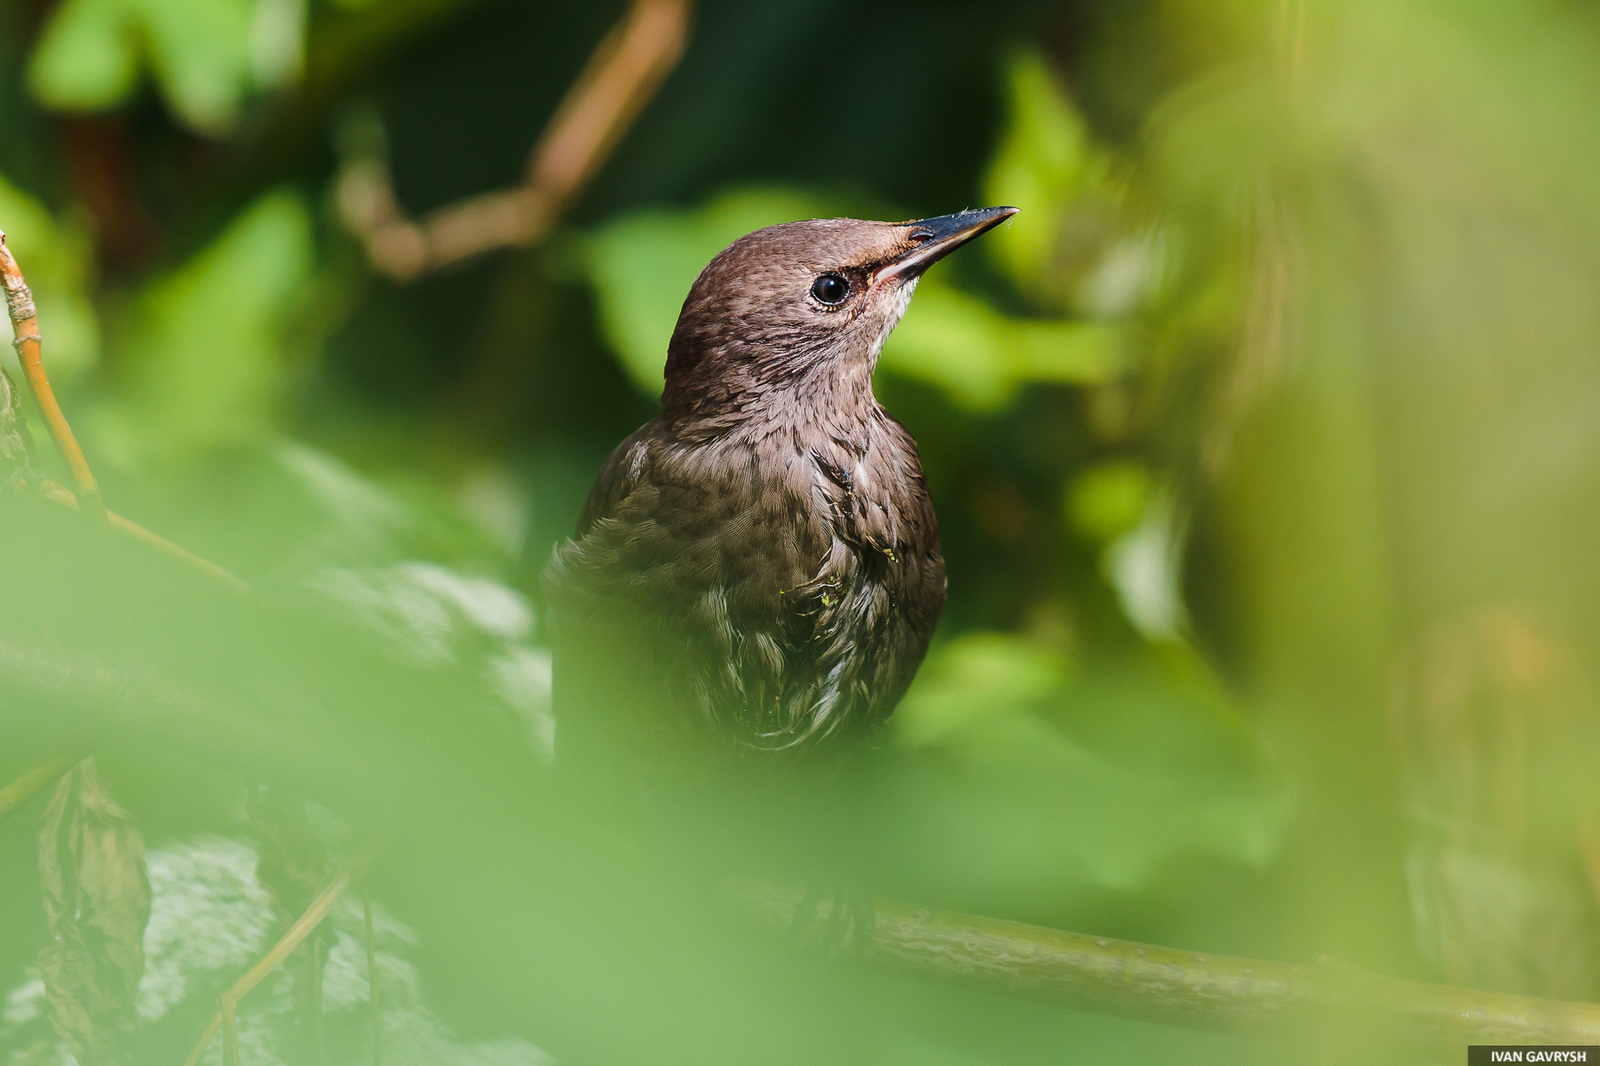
<point x="1023" y="777"/>
<point x="205" y="349"/>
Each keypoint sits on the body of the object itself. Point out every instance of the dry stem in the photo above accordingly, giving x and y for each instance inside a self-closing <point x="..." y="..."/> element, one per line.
<point x="302" y="928"/>
<point x="623" y="74"/>
<point x="1204" y="991"/>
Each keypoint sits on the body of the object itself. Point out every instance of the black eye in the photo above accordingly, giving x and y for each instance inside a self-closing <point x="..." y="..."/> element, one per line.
<point x="830" y="288"/>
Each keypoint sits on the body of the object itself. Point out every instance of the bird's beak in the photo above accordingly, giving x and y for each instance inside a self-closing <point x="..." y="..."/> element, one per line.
<point x="935" y="238"/>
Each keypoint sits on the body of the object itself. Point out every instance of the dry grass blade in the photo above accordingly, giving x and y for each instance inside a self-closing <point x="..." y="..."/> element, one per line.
<point x="302" y="928"/>
<point x="29" y="784"/>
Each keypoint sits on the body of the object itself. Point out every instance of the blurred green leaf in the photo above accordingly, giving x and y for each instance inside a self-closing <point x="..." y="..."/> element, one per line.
<point x="972" y="677"/>
<point x="1108" y="500"/>
<point x="1073" y="248"/>
<point x="1040" y="166"/>
<point x="1144" y="565"/>
<point x="205" y="350"/>
<point x="1023" y="777"/>
<point x="205" y="54"/>
<point x="87" y="58"/>
<point x="979" y="357"/>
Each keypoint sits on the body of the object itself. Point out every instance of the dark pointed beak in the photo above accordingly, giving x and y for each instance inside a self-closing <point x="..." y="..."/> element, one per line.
<point x="934" y="238"/>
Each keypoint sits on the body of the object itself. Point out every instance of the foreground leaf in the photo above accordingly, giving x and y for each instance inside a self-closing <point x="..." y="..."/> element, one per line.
<point x="96" y="902"/>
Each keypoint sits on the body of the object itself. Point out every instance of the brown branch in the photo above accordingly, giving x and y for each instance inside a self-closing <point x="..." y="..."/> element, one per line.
<point x="25" y="327"/>
<point x="302" y="928"/>
<point x="620" y="78"/>
<point x="1204" y="991"/>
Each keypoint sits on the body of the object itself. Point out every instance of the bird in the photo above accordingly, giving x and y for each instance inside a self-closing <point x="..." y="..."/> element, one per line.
<point x="758" y="568"/>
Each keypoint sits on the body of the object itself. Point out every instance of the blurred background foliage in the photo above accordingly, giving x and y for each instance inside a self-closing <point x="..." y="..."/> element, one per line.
<point x="1263" y="443"/>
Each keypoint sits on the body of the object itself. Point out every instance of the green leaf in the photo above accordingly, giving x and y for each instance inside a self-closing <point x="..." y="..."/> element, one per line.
<point x="1075" y="246"/>
<point x="1040" y="166"/>
<point x="87" y="58"/>
<point x="973" y="676"/>
<point x="1108" y="500"/>
<point x="206" y="55"/>
<point x="205" y="351"/>
<point x="1022" y="776"/>
<point x="980" y="357"/>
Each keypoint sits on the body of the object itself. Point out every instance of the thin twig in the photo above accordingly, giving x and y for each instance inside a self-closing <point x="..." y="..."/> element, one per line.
<point x="1204" y="991"/>
<point x="302" y="928"/>
<point x="25" y="327"/>
<point x="60" y="494"/>
<point x="28" y="785"/>
<point x="620" y="78"/>
<point x="25" y="324"/>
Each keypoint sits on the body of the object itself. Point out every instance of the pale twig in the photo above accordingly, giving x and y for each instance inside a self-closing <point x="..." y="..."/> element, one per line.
<point x="620" y="78"/>
<point x="302" y="928"/>
<point x="1205" y="991"/>
<point x="25" y="328"/>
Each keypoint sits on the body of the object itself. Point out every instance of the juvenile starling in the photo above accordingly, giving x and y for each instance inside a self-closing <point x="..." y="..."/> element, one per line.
<point x="760" y="563"/>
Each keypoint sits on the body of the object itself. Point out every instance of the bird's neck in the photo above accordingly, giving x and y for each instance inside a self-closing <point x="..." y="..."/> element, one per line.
<point x="831" y="399"/>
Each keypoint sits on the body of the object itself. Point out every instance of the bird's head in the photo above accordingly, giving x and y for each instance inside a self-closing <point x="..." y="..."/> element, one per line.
<point x="802" y="305"/>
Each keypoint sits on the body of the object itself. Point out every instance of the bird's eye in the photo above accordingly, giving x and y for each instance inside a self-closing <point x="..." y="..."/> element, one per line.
<point x="830" y="289"/>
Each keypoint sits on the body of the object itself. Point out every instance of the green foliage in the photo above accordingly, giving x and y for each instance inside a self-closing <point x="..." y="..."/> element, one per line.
<point x="979" y="357"/>
<point x="1108" y="500"/>
<point x="1262" y="442"/>
<point x="1023" y="772"/>
<point x="1043" y="165"/>
<point x="234" y="297"/>
<point x="1077" y="250"/>
<point x="206" y="55"/>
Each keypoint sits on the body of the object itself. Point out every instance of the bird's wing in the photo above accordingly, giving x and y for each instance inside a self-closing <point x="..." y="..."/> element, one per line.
<point x="617" y="478"/>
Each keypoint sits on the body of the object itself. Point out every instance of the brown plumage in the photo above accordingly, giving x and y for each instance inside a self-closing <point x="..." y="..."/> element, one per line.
<point x="763" y="558"/>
